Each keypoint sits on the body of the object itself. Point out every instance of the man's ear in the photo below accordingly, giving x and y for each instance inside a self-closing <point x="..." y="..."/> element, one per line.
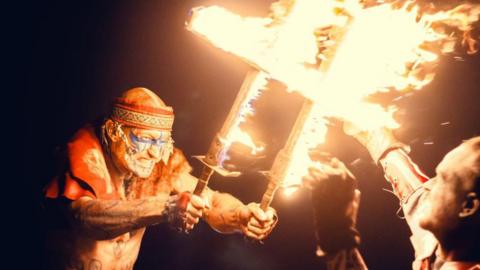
<point x="111" y="130"/>
<point x="470" y="206"/>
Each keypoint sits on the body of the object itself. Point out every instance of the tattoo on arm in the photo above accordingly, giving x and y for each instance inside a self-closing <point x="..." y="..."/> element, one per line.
<point x="223" y="216"/>
<point x="112" y="205"/>
<point x="106" y="219"/>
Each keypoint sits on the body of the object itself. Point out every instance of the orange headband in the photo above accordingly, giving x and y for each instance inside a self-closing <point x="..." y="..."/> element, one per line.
<point x="142" y="116"/>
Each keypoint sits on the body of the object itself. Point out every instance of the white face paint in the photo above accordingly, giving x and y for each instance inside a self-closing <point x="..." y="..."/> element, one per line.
<point x="140" y="168"/>
<point x="144" y="148"/>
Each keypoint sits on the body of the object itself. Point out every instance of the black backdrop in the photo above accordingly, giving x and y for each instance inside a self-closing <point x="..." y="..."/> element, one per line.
<point x="81" y="54"/>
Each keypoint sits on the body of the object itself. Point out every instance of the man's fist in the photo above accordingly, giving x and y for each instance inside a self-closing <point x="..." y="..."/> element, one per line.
<point x="184" y="210"/>
<point x="256" y="223"/>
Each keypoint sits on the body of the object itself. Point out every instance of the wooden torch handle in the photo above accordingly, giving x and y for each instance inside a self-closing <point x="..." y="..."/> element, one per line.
<point x="269" y="194"/>
<point x="203" y="180"/>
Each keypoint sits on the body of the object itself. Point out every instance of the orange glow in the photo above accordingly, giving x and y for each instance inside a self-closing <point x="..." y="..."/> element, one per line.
<point x="383" y="48"/>
<point x="234" y="132"/>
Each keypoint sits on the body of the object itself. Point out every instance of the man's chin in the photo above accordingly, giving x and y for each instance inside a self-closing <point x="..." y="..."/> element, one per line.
<point x="142" y="172"/>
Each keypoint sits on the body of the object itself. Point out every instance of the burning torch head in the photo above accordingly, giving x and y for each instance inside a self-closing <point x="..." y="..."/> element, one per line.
<point x="241" y="158"/>
<point x="138" y="133"/>
<point x="191" y="17"/>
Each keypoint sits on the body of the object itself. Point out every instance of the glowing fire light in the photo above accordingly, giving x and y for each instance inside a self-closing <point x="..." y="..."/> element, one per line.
<point x="234" y="133"/>
<point x="383" y="48"/>
<point x="312" y="134"/>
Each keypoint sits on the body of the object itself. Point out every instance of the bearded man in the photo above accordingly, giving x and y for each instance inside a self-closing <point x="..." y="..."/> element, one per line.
<point x="124" y="175"/>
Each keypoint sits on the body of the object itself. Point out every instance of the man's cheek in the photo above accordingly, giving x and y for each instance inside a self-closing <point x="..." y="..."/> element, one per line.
<point x="132" y="162"/>
<point x="141" y="170"/>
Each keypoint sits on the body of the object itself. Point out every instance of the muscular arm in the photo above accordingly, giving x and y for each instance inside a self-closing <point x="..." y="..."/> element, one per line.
<point x="385" y="150"/>
<point x="411" y="187"/>
<point x="223" y="214"/>
<point x="408" y="182"/>
<point x="106" y="219"/>
<point x="402" y="173"/>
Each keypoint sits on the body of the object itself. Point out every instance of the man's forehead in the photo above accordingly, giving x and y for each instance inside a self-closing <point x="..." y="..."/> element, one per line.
<point x="150" y="132"/>
<point x="460" y="160"/>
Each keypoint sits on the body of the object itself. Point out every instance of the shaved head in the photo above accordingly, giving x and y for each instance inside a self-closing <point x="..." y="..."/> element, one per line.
<point x="140" y="96"/>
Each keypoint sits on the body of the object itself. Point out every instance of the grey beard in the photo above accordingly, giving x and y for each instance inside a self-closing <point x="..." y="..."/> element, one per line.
<point x="137" y="169"/>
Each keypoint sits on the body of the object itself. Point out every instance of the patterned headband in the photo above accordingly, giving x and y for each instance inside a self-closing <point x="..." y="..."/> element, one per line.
<point x="142" y="116"/>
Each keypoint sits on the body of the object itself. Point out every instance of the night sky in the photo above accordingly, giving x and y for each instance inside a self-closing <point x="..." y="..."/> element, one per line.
<point x="82" y="54"/>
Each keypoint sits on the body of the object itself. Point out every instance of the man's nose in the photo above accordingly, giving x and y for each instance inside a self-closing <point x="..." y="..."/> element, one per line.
<point x="154" y="151"/>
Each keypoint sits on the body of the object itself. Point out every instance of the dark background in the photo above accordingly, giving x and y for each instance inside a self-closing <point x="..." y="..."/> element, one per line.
<point x="79" y="55"/>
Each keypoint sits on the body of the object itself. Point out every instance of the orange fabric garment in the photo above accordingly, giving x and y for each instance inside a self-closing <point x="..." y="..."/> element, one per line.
<point x="87" y="174"/>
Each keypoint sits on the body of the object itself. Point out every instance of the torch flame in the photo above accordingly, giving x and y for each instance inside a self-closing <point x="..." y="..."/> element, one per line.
<point x="384" y="48"/>
<point x="313" y="134"/>
<point x="235" y="133"/>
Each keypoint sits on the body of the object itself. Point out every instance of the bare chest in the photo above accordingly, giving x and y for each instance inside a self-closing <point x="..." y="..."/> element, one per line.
<point x="118" y="253"/>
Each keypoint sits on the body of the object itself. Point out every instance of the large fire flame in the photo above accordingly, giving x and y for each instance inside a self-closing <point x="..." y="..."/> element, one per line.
<point x="235" y="133"/>
<point x="384" y="47"/>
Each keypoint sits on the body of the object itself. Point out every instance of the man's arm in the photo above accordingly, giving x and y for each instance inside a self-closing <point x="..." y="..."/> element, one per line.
<point x="227" y="214"/>
<point x="408" y="182"/>
<point x="106" y="219"/>
<point x="400" y="171"/>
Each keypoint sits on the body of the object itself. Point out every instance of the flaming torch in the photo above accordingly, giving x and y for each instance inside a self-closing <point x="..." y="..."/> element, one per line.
<point x="269" y="34"/>
<point x="231" y="132"/>
<point x="309" y="130"/>
<point x="336" y="54"/>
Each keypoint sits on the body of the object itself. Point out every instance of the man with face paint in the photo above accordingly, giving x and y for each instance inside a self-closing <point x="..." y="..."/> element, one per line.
<point x="443" y="212"/>
<point x="125" y="175"/>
